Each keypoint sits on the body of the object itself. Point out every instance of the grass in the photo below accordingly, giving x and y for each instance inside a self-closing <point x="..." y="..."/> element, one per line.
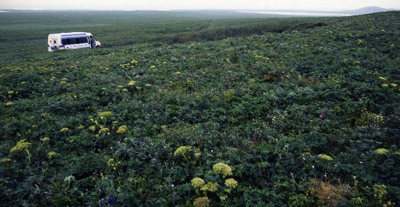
<point x="127" y="28"/>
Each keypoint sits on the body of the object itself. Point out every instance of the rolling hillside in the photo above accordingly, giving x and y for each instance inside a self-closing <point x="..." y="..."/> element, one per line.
<point x="178" y="111"/>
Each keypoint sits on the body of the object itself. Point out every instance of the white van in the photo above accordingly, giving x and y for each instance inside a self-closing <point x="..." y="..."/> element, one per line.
<point x="72" y="40"/>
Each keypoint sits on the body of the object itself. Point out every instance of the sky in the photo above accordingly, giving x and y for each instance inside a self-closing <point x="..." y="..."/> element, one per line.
<point x="327" y="5"/>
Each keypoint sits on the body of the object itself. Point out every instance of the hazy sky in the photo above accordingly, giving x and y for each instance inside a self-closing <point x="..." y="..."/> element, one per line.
<point x="328" y="5"/>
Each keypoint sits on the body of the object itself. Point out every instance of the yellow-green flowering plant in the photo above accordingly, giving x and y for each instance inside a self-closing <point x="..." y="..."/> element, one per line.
<point x="380" y="191"/>
<point x="105" y="114"/>
<point x="381" y="151"/>
<point x="65" y="129"/>
<point x="5" y="160"/>
<point x="325" y="157"/>
<point x="210" y="187"/>
<point x="369" y="119"/>
<point x="21" y="146"/>
<point x="222" y="169"/>
<point x="197" y="155"/>
<point x="45" y="139"/>
<point x="183" y="150"/>
<point x="122" y="129"/>
<point x="380" y="194"/>
<point x="197" y="184"/>
<point x="104" y="130"/>
<point x="216" y="186"/>
<point x="189" y="153"/>
<point x="92" y="128"/>
<point x="105" y="127"/>
<point x="132" y="83"/>
<point x="201" y="202"/>
<point x="51" y="154"/>
<point x="113" y="163"/>
<point x="231" y="183"/>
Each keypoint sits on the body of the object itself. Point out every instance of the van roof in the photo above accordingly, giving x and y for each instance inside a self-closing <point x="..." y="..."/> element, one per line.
<point x="71" y="34"/>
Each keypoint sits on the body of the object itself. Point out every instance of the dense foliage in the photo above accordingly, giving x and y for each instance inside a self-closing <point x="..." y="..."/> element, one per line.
<point x="307" y="115"/>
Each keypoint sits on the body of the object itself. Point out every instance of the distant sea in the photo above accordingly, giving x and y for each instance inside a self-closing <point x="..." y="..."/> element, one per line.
<point x="296" y="13"/>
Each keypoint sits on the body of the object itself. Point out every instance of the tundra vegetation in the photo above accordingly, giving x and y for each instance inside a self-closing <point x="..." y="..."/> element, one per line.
<point x="200" y="109"/>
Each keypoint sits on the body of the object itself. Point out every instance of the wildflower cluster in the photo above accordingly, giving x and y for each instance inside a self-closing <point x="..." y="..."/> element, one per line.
<point x="197" y="182"/>
<point x="380" y="194"/>
<point x="325" y="157"/>
<point x="113" y="164"/>
<point x="222" y="169"/>
<point x="51" y="154"/>
<point x="386" y="84"/>
<point x="131" y="64"/>
<point x="231" y="183"/>
<point x="121" y="88"/>
<point x="189" y="153"/>
<point x="92" y="128"/>
<point x="5" y="160"/>
<point x="209" y="187"/>
<point x="369" y="119"/>
<point x="20" y="146"/>
<point x="132" y="83"/>
<point x="104" y="130"/>
<point x="182" y="150"/>
<point x="122" y="129"/>
<point x="201" y="202"/>
<point x="380" y="191"/>
<point x="381" y="151"/>
<point x="45" y="139"/>
<point x="64" y="81"/>
<point x="105" y="114"/>
<point x="65" y="129"/>
<point x="104" y="126"/>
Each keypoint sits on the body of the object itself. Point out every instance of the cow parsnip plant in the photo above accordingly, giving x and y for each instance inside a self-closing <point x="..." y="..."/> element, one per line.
<point x="220" y="188"/>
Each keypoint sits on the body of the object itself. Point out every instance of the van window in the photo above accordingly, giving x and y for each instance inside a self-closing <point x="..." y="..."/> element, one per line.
<point x="71" y="41"/>
<point x="83" y="40"/>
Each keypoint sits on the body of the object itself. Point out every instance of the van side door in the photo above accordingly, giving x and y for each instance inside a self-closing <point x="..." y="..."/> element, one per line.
<point x="92" y="42"/>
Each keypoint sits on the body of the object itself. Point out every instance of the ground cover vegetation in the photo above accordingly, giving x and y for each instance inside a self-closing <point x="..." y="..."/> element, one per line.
<point x="200" y="110"/>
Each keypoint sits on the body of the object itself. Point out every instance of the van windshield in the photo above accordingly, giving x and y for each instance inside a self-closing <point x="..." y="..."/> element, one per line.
<point x="76" y="40"/>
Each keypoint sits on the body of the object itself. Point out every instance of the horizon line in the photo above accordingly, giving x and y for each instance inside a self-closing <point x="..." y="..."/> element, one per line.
<point x="311" y="10"/>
